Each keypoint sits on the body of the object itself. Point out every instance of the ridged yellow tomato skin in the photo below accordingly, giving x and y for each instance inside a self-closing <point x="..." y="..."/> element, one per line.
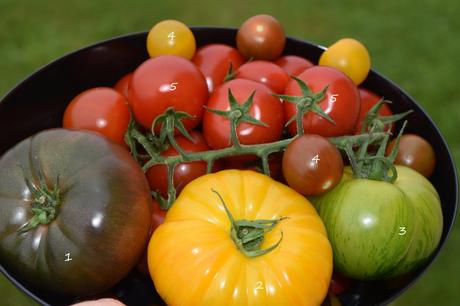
<point x="194" y="262"/>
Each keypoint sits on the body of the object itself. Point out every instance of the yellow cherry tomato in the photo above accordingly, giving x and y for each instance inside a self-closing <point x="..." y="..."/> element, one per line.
<point x="349" y="56"/>
<point x="240" y="238"/>
<point x="171" y="37"/>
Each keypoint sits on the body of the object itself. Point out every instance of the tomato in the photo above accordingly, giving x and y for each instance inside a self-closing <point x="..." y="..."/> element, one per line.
<point x="214" y="62"/>
<point x="123" y="84"/>
<point x="98" y="209"/>
<point x="183" y="173"/>
<point x="274" y="164"/>
<point x="416" y="153"/>
<point x="265" y="108"/>
<point x="100" y="109"/>
<point x="378" y="229"/>
<point x="349" y="56"/>
<point x="167" y="81"/>
<point x="339" y="283"/>
<point x="331" y="300"/>
<point x="261" y="37"/>
<point x="171" y="37"/>
<point x="197" y="245"/>
<point x="293" y="64"/>
<point x="341" y="102"/>
<point x="369" y="99"/>
<point x="312" y="165"/>
<point x="266" y="73"/>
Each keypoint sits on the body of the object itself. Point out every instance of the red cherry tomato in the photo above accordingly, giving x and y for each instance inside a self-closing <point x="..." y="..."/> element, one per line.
<point x="266" y="73"/>
<point x="414" y="152"/>
<point x="369" y="99"/>
<point x="261" y="37"/>
<point x="274" y="163"/>
<point x="312" y="165"/>
<point x="123" y="84"/>
<point x="214" y="62"/>
<point x="339" y="283"/>
<point x="183" y="173"/>
<point x="167" y="81"/>
<point x="100" y="109"/>
<point x="293" y="64"/>
<point x="341" y="102"/>
<point x="265" y="108"/>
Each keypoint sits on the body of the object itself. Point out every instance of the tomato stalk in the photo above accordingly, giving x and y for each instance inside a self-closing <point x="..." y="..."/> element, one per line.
<point x="45" y="202"/>
<point x="248" y="235"/>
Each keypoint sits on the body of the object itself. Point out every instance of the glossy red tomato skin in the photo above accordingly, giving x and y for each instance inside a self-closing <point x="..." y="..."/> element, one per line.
<point x="344" y="110"/>
<point x="255" y="164"/>
<point x="184" y="172"/>
<point x="312" y="165"/>
<point x="214" y="62"/>
<point x="102" y="110"/>
<point x="167" y="81"/>
<point x="414" y="152"/>
<point x="266" y="73"/>
<point x="123" y="84"/>
<point x="293" y="64"/>
<point x="369" y="99"/>
<point x="265" y="108"/>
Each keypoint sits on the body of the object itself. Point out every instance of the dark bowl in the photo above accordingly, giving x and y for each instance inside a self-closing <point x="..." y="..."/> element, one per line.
<point x="39" y="102"/>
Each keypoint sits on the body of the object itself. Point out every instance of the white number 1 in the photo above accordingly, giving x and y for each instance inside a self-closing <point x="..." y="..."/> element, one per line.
<point x="67" y="257"/>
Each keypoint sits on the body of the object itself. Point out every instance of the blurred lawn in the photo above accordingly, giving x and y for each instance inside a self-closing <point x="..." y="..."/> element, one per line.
<point x="415" y="45"/>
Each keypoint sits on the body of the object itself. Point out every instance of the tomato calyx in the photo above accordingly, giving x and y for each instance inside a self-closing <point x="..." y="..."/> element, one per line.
<point x="45" y="202"/>
<point x="237" y="114"/>
<point x="231" y="73"/>
<point x="372" y="117"/>
<point x="248" y="235"/>
<point x="307" y="101"/>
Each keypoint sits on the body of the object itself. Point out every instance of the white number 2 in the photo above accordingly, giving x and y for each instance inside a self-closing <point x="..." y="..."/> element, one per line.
<point x="260" y="286"/>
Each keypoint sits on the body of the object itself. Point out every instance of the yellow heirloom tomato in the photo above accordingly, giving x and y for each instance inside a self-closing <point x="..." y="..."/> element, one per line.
<point x="240" y="238"/>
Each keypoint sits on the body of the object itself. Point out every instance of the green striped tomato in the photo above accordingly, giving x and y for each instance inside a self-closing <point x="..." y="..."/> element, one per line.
<point x="380" y="230"/>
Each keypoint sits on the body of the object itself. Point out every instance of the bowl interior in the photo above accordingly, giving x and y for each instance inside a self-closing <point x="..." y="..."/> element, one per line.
<point x="39" y="102"/>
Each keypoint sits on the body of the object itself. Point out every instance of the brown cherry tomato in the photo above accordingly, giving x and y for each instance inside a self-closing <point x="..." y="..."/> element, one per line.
<point x="312" y="165"/>
<point x="261" y="37"/>
<point x="100" y="109"/>
<point x="214" y="62"/>
<point x="123" y="84"/>
<point x="293" y="64"/>
<point x="416" y="153"/>
<point x="266" y="73"/>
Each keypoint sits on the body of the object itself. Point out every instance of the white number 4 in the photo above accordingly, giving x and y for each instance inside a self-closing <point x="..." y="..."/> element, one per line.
<point x="333" y="98"/>
<point x="171" y="36"/>
<point x="402" y="231"/>
<point x="316" y="158"/>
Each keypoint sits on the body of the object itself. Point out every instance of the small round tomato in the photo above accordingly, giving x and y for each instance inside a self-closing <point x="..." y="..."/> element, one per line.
<point x="266" y="73"/>
<point x="265" y="108"/>
<point x="123" y="84"/>
<point x="247" y="163"/>
<point x="339" y="283"/>
<point x="100" y="109"/>
<point x="261" y="37"/>
<point x="369" y="99"/>
<point x="214" y="62"/>
<point x="167" y="81"/>
<point x="293" y="64"/>
<point x="349" y="56"/>
<point x="414" y="152"/>
<point x="341" y="102"/>
<point x="184" y="173"/>
<point x="312" y="165"/>
<point x="171" y="37"/>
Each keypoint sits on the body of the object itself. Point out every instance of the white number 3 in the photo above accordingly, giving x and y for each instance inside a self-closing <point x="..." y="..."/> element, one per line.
<point x="402" y="231"/>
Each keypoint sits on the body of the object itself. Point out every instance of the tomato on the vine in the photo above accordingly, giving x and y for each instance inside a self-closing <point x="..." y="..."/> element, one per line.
<point x="293" y="64"/>
<point x="184" y="173"/>
<point x="100" y="109"/>
<point x="349" y="56"/>
<point x="312" y="165"/>
<point x="171" y="37"/>
<point x="341" y="102"/>
<point x="266" y="73"/>
<point x="261" y="37"/>
<point x="123" y="84"/>
<point x="414" y="152"/>
<point x="214" y="61"/>
<point x="369" y="99"/>
<point x="265" y="108"/>
<point x="274" y="164"/>
<point x="167" y="81"/>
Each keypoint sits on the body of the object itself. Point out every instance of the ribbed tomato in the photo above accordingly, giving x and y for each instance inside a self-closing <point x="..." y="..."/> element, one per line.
<point x="288" y="260"/>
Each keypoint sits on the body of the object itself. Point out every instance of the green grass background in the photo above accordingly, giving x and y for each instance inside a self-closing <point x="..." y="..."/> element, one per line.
<point x="414" y="43"/>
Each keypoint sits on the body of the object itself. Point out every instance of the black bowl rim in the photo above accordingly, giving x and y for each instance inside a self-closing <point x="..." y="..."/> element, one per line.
<point x="32" y="295"/>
